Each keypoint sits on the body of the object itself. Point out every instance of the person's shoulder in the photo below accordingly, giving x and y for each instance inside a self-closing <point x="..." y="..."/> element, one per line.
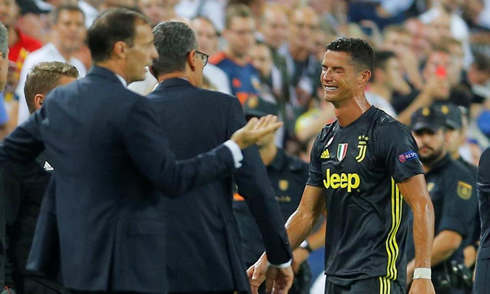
<point x="294" y="163"/>
<point x="457" y="170"/>
<point x="218" y="58"/>
<point x="383" y="122"/>
<point x="29" y="43"/>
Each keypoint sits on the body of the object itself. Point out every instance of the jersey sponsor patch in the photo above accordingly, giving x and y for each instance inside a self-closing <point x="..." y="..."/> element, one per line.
<point x="464" y="190"/>
<point x="325" y="154"/>
<point x="410" y="155"/>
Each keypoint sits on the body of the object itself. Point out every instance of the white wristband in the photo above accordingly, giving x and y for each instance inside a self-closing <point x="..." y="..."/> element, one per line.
<point x="422" y="273"/>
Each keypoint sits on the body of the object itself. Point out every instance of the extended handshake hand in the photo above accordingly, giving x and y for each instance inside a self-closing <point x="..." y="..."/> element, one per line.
<point x="255" y="130"/>
<point x="278" y="280"/>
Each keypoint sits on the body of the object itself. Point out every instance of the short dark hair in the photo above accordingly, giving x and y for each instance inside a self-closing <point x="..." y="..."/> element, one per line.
<point x="481" y="62"/>
<point x="4" y="40"/>
<point x="112" y="26"/>
<point x="173" y="41"/>
<point x="362" y="54"/>
<point x="44" y="77"/>
<point x="68" y="7"/>
<point x="237" y="10"/>
<point x="380" y="60"/>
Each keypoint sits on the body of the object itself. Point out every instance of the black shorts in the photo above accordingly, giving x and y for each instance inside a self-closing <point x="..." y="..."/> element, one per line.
<point x="379" y="285"/>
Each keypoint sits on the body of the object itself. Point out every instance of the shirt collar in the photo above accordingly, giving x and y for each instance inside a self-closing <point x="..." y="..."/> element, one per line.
<point x="122" y="80"/>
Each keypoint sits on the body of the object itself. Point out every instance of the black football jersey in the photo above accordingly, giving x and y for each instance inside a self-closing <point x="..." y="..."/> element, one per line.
<point x="359" y="166"/>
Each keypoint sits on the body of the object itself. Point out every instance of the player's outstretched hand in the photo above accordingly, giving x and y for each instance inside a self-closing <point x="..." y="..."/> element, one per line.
<point x="255" y="130"/>
<point x="422" y="286"/>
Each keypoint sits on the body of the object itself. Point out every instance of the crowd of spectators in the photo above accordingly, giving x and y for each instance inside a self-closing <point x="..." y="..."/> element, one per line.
<point x="426" y="51"/>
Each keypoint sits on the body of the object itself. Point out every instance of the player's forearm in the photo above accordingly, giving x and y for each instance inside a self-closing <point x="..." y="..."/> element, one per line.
<point x="317" y="239"/>
<point x="299" y="226"/>
<point x="423" y="232"/>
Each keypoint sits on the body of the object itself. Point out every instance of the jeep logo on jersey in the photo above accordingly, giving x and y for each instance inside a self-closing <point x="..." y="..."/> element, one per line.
<point x="343" y="181"/>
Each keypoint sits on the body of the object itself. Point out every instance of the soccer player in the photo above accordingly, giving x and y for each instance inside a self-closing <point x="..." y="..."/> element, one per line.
<point x="361" y="165"/>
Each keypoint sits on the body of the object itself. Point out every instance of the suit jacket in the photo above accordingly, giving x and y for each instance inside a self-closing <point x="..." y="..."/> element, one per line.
<point x="483" y="188"/>
<point x="109" y="154"/>
<point x="204" y="248"/>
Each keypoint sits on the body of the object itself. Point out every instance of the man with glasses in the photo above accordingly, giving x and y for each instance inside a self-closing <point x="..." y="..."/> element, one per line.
<point x="203" y="243"/>
<point x="239" y="35"/>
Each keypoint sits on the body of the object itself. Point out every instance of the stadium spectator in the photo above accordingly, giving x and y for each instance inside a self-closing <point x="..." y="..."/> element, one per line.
<point x="69" y="33"/>
<point x="233" y="60"/>
<point x="207" y="39"/>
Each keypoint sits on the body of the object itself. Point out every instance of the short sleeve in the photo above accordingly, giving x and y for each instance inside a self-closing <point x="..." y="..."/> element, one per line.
<point x="315" y="176"/>
<point x="398" y="150"/>
<point x="459" y="208"/>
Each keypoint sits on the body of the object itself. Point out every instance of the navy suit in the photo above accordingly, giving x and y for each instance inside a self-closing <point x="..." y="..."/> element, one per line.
<point x="204" y="249"/>
<point x="482" y="279"/>
<point x="109" y="154"/>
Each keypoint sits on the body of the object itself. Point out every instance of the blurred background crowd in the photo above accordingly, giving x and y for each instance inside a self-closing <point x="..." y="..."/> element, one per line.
<point x="427" y="51"/>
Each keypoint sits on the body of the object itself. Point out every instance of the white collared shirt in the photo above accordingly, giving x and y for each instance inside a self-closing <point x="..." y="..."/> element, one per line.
<point x="45" y="54"/>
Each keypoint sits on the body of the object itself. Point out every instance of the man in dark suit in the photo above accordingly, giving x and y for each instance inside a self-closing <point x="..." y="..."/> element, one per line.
<point x="203" y="237"/>
<point x="24" y="185"/>
<point x="483" y="261"/>
<point x="110" y="155"/>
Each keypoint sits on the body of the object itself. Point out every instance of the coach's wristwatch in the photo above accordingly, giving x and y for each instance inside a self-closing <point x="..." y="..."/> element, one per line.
<point x="422" y="273"/>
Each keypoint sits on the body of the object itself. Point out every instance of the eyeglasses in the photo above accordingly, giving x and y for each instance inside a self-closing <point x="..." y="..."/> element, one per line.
<point x="204" y="57"/>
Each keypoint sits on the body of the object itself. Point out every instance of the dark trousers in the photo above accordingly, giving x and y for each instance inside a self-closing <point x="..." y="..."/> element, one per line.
<point x="372" y="285"/>
<point x="34" y="285"/>
<point x="103" y="292"/>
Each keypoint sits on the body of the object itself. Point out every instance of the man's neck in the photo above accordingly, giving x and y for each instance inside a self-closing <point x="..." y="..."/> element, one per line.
<point x="349" y="111"/>
<point x="268" y="153"/>
<point x="428" y="166"/>
<point x="13" y="36"/>
<point x="299" y="54"/>
<point x="240" y="59"/>
<point x="115" y="67"/>
<point x="455" y="154"/>
<point x="173" y="75"/>
<point x="65" y="53"/>
<point x="382" y="91"/>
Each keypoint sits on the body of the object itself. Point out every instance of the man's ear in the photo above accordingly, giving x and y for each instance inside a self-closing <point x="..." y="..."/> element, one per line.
<point x="38" y="101"/>
<point x="191" y="60"/>
<point x="120" y="49"/>
<point x="365" y="76"/>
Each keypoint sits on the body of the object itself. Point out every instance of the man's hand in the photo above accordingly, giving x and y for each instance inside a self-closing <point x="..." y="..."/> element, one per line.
<point x="300" y="255"/>
<point x="422" y="286"/>
<point x="279" y="280"/>
<point x="255" y="130"/>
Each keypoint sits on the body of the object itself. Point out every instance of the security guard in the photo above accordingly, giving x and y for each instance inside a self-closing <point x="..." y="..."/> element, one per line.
<point x="483" y="264"/>
<point x="456" y="124"/>
<point x="288" y="175"/>
<point x="454" y="200"/>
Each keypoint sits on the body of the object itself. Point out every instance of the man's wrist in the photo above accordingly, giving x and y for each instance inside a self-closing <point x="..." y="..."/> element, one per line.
<point x="235" y="152"/>
<point x="422" y="273"/>
<point x="282" y="265"/>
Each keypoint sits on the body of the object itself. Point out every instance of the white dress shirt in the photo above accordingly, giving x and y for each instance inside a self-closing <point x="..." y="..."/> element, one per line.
<point x="45" y="54"/>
